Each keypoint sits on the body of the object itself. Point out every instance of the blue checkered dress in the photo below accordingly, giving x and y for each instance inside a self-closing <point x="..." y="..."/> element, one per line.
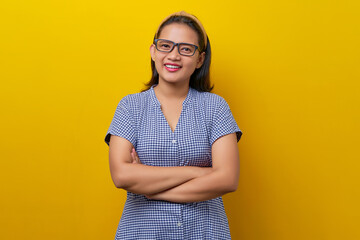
<point x="204" y="118"/>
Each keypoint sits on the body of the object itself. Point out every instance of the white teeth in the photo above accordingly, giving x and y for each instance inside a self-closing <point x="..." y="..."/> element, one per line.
<point x="172" y="66"/>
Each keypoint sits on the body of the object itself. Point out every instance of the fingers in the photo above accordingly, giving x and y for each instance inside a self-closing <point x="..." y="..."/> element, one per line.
<point x="135" y="157"/>
<point x="137" y="160"/>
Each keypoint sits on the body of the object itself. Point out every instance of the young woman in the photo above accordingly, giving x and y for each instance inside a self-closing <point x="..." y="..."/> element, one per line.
<point x="173" y="147"/>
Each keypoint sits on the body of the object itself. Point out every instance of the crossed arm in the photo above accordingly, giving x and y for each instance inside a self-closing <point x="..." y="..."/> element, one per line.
<point x="176" y="184"/>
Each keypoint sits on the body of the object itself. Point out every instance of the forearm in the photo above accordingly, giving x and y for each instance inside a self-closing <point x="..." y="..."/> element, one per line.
<point x="143" y="179"/>
<point x="128" y="173"/>
<point x="203" y="188"/>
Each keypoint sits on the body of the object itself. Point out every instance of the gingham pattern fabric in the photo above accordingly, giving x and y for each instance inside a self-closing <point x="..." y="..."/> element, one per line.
<point x="205" y="117"/>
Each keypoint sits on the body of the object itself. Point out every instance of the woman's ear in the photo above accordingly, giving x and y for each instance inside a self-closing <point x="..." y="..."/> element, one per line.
<point x="201" y="60"/>
<point x="152" y="51"/>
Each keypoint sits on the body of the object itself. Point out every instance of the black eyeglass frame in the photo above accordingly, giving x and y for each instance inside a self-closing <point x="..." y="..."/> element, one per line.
<point x="174" y="45"/>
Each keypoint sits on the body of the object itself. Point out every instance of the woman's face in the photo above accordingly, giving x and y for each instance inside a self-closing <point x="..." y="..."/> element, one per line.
<point x="171" y="66"/>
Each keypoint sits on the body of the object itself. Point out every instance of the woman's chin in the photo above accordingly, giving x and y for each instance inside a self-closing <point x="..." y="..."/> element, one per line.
<point x="174" y="81"/>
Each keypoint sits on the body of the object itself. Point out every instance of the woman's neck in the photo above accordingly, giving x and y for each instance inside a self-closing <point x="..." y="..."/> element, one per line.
<point x="171" y="91"/>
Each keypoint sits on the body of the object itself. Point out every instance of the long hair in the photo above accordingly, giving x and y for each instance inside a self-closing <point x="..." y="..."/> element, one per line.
<point x="200" y="79"/>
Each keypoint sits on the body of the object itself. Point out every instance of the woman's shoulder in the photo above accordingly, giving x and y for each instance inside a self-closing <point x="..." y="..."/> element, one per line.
<point x="135" y="100"/>
<point x="209" y="98"/>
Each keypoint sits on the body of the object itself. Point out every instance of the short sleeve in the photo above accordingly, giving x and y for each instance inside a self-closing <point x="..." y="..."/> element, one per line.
<point x="122" y="124"/>
<point x="223" y="122"/>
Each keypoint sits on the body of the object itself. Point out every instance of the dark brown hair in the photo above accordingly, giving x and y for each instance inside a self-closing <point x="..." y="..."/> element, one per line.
<point x="200" y="79"/>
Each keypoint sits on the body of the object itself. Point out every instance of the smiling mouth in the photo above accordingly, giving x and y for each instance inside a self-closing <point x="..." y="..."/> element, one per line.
<point x="172" y="66"/>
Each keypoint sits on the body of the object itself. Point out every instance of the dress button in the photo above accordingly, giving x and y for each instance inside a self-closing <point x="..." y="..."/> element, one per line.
<point x="179" y="224"/>
<point x="173" y="141"/>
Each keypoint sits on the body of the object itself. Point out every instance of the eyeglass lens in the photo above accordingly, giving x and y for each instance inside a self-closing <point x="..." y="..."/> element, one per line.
<point x="167" y="46"/>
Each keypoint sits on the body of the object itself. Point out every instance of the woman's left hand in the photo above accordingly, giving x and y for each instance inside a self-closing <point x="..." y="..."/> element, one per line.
<point x="154" y="196"/>
<point x="135" y="157"/>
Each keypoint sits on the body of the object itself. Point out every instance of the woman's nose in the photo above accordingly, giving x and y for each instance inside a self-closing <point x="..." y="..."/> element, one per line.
<point x="174" y="54"/>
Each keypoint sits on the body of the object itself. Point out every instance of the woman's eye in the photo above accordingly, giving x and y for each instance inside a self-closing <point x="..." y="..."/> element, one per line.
<point x="186" y="49"/>
<point x="165" y="45"/>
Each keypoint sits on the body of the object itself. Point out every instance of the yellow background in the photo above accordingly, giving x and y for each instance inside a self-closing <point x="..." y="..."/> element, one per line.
<point x="288" y="69"/>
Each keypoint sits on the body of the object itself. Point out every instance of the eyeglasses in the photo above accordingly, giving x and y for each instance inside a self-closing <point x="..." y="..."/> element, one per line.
<point x="185" y="49"/>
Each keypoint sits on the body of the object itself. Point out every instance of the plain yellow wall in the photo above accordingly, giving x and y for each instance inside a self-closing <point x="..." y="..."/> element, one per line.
<point x="288" y="69"/>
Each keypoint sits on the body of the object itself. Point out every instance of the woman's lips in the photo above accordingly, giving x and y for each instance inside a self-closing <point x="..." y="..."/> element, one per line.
<point x="172" y="67"/>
